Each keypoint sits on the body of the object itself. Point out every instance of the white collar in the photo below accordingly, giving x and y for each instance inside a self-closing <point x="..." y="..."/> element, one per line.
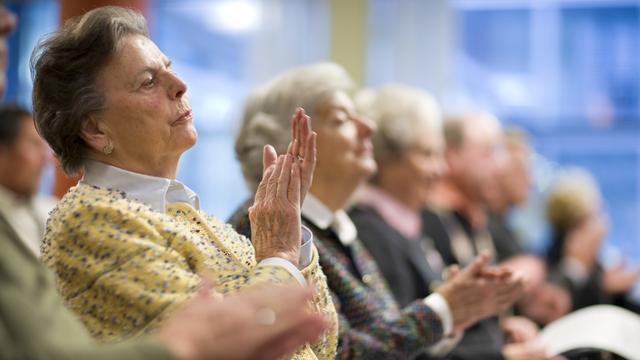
<point x="157" y="192"/>
<point x="322" y="217"/>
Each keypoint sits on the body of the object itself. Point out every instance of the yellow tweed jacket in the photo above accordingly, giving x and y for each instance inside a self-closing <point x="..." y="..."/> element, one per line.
<point x="121" y="267"/>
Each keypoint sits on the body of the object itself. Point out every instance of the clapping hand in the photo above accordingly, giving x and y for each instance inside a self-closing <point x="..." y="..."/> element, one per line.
<point x="479" y="291"/>
<point x="275" y="213"/>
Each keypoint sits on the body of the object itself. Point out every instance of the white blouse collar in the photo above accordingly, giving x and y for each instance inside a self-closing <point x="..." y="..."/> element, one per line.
<point x="322" y="217"/>
<point x="157" y="192"/>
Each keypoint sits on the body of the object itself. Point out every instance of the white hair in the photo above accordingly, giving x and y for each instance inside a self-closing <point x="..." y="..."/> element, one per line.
<point x="268" y="111"/>
<point x="400" y="112"/>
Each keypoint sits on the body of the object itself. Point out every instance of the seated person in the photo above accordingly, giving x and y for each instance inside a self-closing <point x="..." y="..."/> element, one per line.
<point x="35" y="325"/>
<point x="409" y="151"/>
<point x="544" y="301"/>
<point x="574" y="210"/>
<point x="128" y="243"/>
<point x="23" y="156"/>
<point x="372" y="325"/>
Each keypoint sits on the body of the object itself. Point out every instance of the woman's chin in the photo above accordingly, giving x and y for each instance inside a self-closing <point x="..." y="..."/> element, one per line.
<point x="367" y="168"/>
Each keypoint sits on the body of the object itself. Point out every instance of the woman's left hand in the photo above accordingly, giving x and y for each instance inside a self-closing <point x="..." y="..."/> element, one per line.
<point x="302" y="148"/>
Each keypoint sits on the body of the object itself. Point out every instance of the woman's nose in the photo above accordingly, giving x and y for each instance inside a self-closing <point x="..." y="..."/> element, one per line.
<point x="177" y="87"/>
<point x="366" y="126"/>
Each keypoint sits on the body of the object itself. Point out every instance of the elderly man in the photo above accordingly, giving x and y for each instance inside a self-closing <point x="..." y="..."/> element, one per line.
<point x="372" y="324"/>
<point x="457" y="226"/>
<point x="268" y="322"/>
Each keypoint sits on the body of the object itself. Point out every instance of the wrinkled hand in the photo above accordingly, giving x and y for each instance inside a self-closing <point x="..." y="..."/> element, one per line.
<point x="583" y="242"/>
<point x="546" y="303"/>
<point x="518" y="329"/>
<point x="302" y="148"/>
<point x="524" y="351"/>
<point x="619" y="280"/>
<point x="275" y="213"/>
<point x="229" y="329"/>
<point x="479" y="291"/>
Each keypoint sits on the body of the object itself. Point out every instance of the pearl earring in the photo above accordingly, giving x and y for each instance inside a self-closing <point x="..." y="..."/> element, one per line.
<point x="108" y="149"/>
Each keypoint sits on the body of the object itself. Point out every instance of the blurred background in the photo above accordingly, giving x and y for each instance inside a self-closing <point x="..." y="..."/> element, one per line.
<point x="567" y="71"/>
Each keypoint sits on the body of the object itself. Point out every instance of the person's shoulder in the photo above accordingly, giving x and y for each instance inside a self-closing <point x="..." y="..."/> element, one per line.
<point x="82" y="201"/>
<point x="367" y="219"/>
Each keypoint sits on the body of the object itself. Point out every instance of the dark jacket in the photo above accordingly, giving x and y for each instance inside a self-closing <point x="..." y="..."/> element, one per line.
<point x="484" y="340"/>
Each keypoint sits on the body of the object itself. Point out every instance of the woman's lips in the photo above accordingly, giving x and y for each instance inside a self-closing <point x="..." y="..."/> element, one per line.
<point x="184" y="118"/>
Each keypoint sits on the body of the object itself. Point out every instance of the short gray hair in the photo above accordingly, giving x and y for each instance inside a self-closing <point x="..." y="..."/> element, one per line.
<point x="398" y="111"/>
<point x="65" y="66"/>
<point x="268" y="111"/>
<point x="456" y="125"/>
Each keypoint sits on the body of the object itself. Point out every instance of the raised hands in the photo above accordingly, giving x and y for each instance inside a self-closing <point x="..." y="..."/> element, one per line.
<point x="275" y="214"/>
<point x="479" y="291"/>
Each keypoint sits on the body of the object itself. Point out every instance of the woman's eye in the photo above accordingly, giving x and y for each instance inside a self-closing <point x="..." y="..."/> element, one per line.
<point x="149" y="83"/>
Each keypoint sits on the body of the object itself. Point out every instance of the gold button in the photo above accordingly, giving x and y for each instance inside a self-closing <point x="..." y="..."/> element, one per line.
<point x="367" y="278"/>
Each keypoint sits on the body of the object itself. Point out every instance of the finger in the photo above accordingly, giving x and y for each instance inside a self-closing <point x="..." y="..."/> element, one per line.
<point x="295" y="149"/>
<point x="309" y="157"/>
<point x="269" y="157"/>
<point x="294" y="185"/>
<point x="282" y="191"/>
<point x="272" y="185"/>
<point x="478" y="264"/>
<point x="450" y="272"/>
<point x="262" y="187"/>
<point x="304" y="132"/>
<point x="295" y="124"/>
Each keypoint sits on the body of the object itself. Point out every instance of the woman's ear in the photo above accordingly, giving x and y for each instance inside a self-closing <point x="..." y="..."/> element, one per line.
<point x="93" y="133"/>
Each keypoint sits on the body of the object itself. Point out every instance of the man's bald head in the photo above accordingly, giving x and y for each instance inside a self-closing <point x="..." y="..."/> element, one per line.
<point x="474" y="143"/>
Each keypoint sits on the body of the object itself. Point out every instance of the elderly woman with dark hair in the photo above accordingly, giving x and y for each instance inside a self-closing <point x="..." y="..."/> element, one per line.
<point x="371" y="324"/>
<point x="128" y="243"/>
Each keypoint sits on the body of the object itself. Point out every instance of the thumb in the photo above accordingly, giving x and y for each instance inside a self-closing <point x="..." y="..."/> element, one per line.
<point x="269" y="157"/>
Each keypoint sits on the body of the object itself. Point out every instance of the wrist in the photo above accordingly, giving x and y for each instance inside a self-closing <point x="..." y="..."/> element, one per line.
<point x="291" y="256"/>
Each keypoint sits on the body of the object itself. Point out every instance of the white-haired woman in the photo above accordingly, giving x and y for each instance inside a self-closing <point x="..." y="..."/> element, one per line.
<point x="409" y="150"/>
<point x="574" y="210"/>
<point x="372" y="325"/>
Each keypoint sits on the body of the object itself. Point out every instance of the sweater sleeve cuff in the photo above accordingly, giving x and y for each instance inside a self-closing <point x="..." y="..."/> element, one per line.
<point x="439" y="305"/>
<point x="306" y="249"/>
<point x="287" y="265"/>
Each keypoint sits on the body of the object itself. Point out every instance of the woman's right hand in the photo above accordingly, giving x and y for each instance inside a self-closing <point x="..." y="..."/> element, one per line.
<point x="286" y="179"/>
<point x="275" y="214"/>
